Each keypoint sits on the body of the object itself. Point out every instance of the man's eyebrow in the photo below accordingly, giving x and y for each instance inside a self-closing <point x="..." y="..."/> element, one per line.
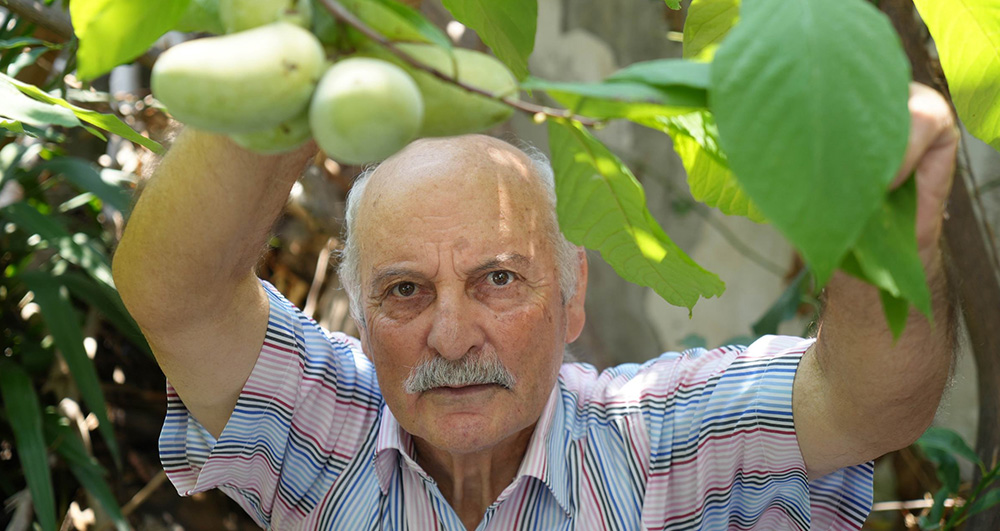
<point x="502" y="261"/>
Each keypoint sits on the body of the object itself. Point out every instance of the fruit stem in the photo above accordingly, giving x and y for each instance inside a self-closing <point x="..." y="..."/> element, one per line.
<point x="339" y="11"/>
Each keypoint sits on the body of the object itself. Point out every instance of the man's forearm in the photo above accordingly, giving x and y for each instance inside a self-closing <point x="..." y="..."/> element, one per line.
<point x="199" y="226"/>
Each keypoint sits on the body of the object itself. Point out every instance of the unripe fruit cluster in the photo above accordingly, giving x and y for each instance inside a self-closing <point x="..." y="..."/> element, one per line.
<point x="269" y="86"/>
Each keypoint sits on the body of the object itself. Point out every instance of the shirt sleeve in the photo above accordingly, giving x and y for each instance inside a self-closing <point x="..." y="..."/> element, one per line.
<point x="724" y="453"/>
<point x="304" y="412"/>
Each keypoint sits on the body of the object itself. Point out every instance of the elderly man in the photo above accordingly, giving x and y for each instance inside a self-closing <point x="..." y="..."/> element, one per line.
<point x="455" y="409"/>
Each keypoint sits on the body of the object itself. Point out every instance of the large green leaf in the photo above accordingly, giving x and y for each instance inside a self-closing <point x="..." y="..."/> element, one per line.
<point x="603" y="207"/>
<point x="507" y="27"/>
<point x="76" y="248"/>
<point x="25" y="417"/>
<point x="112" y="32"/>
<point x="810" y="97"/>
<point x="967" y="35"/>
<point x="84" y="467"/>
<point x="887" y="249"/>
<point x="696" y="141"/>
<point x="64" y="326"/>
<point x="86" y="177"/>
<point x="108" y="122"/>
<point x="623" y="99"/>
<point x="17" y="107"/>
<point x="706" y="24"/>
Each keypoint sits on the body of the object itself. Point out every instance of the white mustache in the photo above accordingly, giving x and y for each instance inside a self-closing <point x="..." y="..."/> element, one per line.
<point x="484" y="368"/>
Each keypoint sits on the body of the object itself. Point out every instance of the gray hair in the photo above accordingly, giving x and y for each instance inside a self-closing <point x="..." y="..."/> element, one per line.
<point x="349" y="269"/>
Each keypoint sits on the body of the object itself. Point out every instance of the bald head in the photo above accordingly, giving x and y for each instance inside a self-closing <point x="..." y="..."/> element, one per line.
<point x="432" y="177"/>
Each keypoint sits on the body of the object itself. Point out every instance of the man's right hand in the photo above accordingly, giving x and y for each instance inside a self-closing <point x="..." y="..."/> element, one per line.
<point x="185" y="265"/>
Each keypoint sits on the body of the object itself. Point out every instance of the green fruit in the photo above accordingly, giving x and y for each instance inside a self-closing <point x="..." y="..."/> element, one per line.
<point x="364" y="110"/>
<point x="241" y="15"/>
<point x="285" y="137"/>
<point x="450" y="110"/>
<point x="201" y="16"/>
<point x="240" y="83"/>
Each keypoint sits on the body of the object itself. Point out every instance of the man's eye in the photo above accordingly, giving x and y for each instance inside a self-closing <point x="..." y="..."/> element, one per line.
<point x="404" y="289"/>
<point x="501" y="278"/>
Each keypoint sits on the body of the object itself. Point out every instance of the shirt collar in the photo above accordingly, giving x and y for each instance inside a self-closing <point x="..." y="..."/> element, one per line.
<point x="543" y="459"/>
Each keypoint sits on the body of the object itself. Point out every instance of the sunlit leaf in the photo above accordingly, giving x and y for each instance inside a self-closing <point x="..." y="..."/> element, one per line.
<point x="25" y="417"/>
<point x="64" y="326"/>
<point x="967" y="37"/>
<point x="696" y="141"/>
<point x="706" y="24"/>
<point x="112" y="32"/>
<point x="84" y="467"/>
<point x="673" y="4"/>
<point x="603" y="207"/>
<point x="507" y="27"/>
<point x="18" y="107"/>
<point x="107" y="122"/>
<point x="810" y="97"/>
<point x="623" y="99"/>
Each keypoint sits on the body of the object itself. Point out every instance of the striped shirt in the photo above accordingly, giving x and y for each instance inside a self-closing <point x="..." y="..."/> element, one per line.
<point x="697" y="440"/>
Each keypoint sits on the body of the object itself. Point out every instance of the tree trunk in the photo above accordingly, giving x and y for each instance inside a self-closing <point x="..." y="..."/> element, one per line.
<point x="973" y="267"/>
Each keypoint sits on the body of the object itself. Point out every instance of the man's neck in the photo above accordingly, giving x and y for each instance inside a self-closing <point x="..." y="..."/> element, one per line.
<point x="470" y="482"/>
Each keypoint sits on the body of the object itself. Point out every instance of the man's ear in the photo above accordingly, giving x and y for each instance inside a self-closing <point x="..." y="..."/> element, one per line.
<point x="576" y="316"/>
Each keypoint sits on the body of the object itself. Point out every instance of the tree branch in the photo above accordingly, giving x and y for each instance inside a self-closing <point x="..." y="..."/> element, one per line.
<point x="340" y="12"/>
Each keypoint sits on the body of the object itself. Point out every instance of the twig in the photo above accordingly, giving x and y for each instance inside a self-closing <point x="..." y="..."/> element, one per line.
<point x="914" y="504"/>
<point x="340" y="12"/>
<point x="319" y="276"/>
<point x="144" y="493"/>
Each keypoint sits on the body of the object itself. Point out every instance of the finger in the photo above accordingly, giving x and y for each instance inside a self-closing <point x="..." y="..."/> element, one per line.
<point x="932" y="128"/>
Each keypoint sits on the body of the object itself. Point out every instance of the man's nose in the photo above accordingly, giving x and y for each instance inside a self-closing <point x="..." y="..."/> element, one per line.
<point x="454" y="329"/>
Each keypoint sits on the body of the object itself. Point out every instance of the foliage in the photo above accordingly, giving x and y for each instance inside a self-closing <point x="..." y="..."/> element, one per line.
<point x="944" y="448"/>
<point x="793" y="112"/>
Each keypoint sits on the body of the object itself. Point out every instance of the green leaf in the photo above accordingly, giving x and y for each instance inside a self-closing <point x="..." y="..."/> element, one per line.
<point x="18" y="107"/>
<point x="108" y="122"/>
<point x="109" y="303"/>
<point x="707" y="23"/>
<point x="395" y="21"/>
<point x="673" y="4"/>
<point x="810" y="97"/>
<point x="112" y="32"/>
<point x="603" y="207"/>
<point x="948" y="441"/>
<point x="967" y="35"/>
<point x="24" y="42"/>
<point x="696" y="140"/>
<point x="24" y="60"/>
<point x="984" y="501"/>
<point x="666" y="73"/>
<point x="507" y="27"/>
<point x="896" y="311"/>
<point x="784" y="308"/>
<point x="82" y="174"/>
<point x="622" y="99"/>
<point x="64" y="326"/>
<point x="932" y="520"/>
<point x="77" y="248"/>
<point x="84" y="467"/>
<point x="887" y="252"/>
<point x="25" y="417"/>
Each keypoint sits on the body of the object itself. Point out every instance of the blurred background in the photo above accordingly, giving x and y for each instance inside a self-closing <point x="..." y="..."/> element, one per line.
<point x="101" y="394"/>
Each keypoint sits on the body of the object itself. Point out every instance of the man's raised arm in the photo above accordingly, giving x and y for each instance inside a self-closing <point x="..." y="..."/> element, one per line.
<point x="857" y="393"/>
<point x="185" y="265"/>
